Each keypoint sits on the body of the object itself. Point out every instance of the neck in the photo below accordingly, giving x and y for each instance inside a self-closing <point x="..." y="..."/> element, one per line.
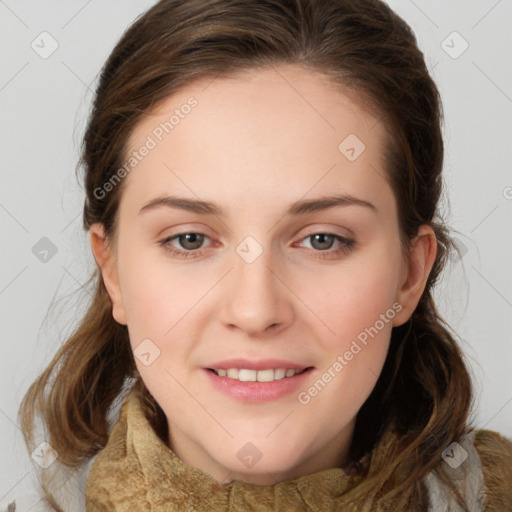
<point x="331" y="454"/>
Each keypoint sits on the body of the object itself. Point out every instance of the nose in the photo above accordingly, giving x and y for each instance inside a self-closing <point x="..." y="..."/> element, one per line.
<point x="256" y="300"/>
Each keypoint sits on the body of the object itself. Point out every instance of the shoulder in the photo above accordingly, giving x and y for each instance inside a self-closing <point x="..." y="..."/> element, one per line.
<point x="495" y="452"/>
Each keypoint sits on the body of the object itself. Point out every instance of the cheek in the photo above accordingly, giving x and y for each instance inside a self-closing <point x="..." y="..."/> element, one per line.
<point x="358" y="306"/>
<point x="155" y="294"/>
<point x="158" y="301"/>
<point x="163" y="311"/>
<point x="353" y="298"/>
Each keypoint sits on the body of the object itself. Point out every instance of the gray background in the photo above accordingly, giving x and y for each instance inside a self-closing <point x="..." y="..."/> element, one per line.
<point x="44" y="105"/>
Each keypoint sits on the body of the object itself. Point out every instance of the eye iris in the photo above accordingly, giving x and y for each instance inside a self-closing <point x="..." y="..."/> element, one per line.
<point x="193" y="239"/>
<point x="321" y="237"/>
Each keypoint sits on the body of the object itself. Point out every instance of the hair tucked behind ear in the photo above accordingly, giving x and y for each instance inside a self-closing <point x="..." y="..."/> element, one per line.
<point x="424" y="391"/>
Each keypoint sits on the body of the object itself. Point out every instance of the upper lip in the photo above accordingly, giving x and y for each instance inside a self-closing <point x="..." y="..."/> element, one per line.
<point x="262" y="364"/>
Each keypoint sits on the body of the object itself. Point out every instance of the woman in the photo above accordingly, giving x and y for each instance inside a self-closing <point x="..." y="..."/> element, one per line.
<point x="262" y="184"/>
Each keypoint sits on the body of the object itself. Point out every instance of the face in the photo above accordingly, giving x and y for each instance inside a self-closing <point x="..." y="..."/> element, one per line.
<point x="260" y="319"/>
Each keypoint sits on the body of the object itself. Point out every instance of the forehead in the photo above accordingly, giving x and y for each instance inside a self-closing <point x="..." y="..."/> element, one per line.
<point x="280" y="130"/>
<point x="275" y="96"/>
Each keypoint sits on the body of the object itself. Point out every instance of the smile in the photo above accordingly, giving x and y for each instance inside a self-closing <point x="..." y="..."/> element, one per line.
<point x="247" y="375"/>
<point x="259" y="381"/>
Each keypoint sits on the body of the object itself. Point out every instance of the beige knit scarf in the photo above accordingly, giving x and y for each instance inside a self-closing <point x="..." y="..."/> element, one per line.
<point x="137" y="472"/>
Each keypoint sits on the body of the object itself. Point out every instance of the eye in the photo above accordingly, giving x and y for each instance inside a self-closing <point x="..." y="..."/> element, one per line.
<point x="191" y="242"/>
<point x="323" y="242"/>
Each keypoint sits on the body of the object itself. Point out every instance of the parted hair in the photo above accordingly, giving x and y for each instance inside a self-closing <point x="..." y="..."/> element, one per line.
<point x="424" y="392"/>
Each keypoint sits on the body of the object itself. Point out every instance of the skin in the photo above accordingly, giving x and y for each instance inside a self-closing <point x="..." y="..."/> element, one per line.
<point x="254" y="145"/>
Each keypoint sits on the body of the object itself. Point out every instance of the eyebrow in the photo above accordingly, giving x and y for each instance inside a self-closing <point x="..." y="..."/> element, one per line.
<point x="300" y="207"/>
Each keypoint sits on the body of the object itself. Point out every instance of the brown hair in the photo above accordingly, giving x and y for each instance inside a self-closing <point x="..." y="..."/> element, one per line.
<point x="424" y="391"/>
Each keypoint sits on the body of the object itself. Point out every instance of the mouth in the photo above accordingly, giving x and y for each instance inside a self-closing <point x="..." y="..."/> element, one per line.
<point x="266" y="375"/>
<point x="257" y="382"/>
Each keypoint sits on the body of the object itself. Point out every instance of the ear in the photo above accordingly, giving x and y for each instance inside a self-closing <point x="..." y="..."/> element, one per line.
<point x="415" y="272"/>
<point x="106" y="260"/>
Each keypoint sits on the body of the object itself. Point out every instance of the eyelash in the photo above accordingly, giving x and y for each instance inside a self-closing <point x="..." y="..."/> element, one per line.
<point x="347" y="244"/>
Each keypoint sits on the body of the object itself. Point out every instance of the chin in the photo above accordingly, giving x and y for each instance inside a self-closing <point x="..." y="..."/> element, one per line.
<point x="265" y="466"/>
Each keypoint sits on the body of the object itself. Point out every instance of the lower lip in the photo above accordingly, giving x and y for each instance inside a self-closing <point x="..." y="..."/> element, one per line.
<point x="257" y="392"/>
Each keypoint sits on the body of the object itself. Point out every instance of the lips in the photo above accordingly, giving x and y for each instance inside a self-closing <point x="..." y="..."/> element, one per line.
<point x="257" y="381"/>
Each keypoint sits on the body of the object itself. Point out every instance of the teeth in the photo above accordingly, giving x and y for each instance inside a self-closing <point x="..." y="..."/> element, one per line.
<point x="265" y="376"/>
<point x="233" y="373"/>
<point x="280" y="373"/>
<point x="245" y="375"/>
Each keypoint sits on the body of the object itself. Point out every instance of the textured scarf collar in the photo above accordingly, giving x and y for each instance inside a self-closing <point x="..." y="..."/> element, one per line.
<point x="137" y="472"/>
